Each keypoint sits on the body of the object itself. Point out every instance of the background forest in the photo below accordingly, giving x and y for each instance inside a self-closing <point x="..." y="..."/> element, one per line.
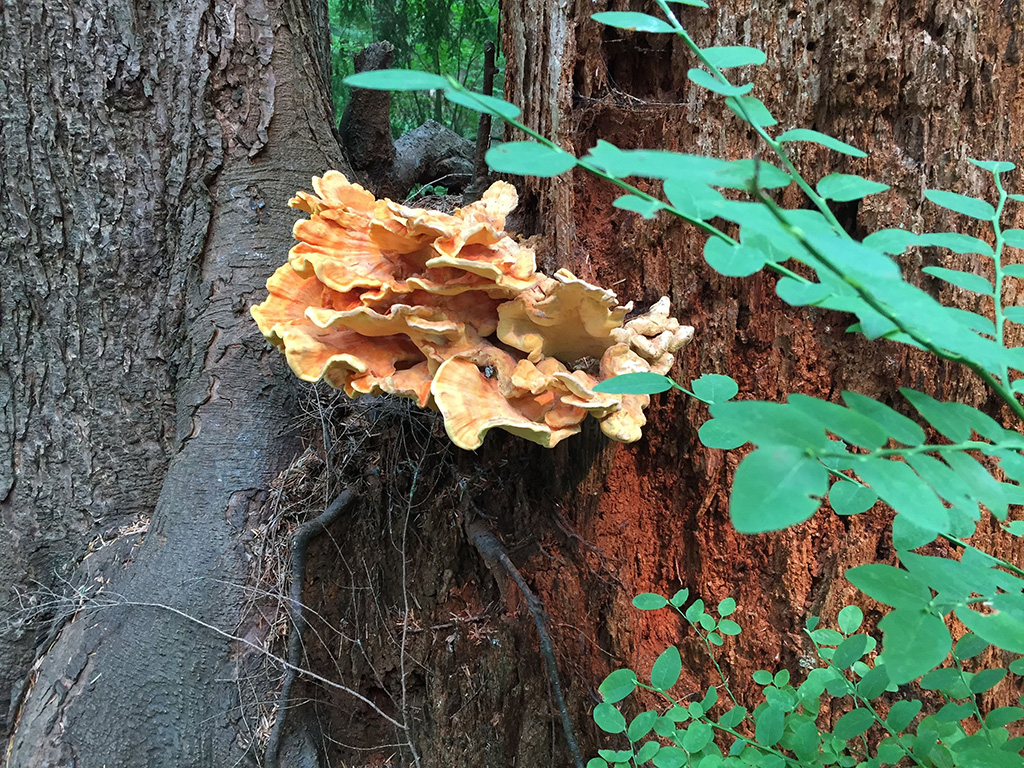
<point x="436" y="36"/>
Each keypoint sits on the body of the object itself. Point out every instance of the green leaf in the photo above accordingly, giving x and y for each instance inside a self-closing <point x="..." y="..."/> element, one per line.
<point x="729" y="627"/>
<point x="945" y="417"/>
<point x="1014" y="270"/>
<point x="733" y="717"/>
<point x="776" y="487"/>
<point x="696" y="200"/>
<point x="646" y="208"/>
<point x="732" y="260"/>
<point x="826" y="636"/>
<point x="806" y="742"/>
<point x="740" y="174"/>
<point x="397" y="80"/>
<point x="640" y="383"/>
<point x="596" y="762"/>
<point x="666" y="670"/>
<point x="1014" y="314"/>
<point x="800" y="294"/>
<point x="641" y="725"/>
<point x="648" y="601"/>
<point x="679" y="597"/>
<point x="902" y="713"/>
<point x="647" y="751"/>
<point x="889" y="585"/>
<point x="694" y="612"/>
<point x="772" y="424"/>
<point x="850" y="619"/>
<point x="670" y="757"/>
<point x="756" y="112"/>
<point x="986" y="679"/>
<point x="769" y="725"/>
<point x="915" y="642"/>
<point x="894" y="241"/>
<point x="654" y="163"/>
<point x="899" y="427"/>
<point x="851" y="426"/>
<point x="849" y="651"/>
<point x="1004" y="629"/>
<point x="969" y="646"/>
<point x="609" y="719"/>
<point x="985" y="488"/>
<point x="948" y="680"/>
<point x="900" y="487"/>
<point x="849" y="498"/>
<point x="874" y="683"/>
<point x="853" y="724"/>
<point x="966" y="280"/>
<point x="727" y="56"/>
<point x="698" y="735"/>
<point x="1003" y="716"/>
<point x="707" y="80"/>
<point x="1014" y="237"/>
<point x="709" y="700"/>
<point x="955" y="242"/>
<point x="631" y="20"/>
<point x="969" y="206"/>
<point x="714" y="388"/>
<point x="723" y="434"/>
<point x="805" y="134"/>
<point x="763" y="677"/>
<point x="618" y="685"/>
<point x="478" y="102"/>
<point x="992" y="166"/>
<point x="844" y="187"/>
<point x="727" y="607"/>
<point x="529" y="158"/>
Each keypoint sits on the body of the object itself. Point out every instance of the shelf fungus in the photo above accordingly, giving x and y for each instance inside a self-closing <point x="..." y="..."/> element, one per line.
<point x="448" y="310"/>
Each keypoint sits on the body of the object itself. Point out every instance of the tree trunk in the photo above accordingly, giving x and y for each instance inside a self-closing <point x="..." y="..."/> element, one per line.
<point x="145" y="196"/>
<point x="148" y="154"/>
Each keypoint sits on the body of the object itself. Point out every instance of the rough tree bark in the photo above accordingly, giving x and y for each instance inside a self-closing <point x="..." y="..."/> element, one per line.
<point x="147" y="151"/>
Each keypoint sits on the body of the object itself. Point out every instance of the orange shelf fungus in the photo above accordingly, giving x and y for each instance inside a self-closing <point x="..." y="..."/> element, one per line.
<point x="448" y="310"/>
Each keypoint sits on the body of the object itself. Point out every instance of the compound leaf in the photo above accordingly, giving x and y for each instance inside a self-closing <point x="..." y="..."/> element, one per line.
<point x="633" y="21"/>
<point x="968" y="206"/>
<point x="776" y="487"/>
<point x="844" y="187"/>
<point x="529" y="158"/>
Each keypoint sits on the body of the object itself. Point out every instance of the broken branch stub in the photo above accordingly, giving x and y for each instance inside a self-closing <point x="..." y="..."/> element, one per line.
<point x="448" y="310"/>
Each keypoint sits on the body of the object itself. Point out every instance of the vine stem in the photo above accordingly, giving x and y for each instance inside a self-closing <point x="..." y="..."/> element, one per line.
<point x="776" y="146"/>
<point x="997" y="292"/>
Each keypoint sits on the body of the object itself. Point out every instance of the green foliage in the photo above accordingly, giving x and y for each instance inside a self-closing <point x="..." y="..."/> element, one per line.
<point x="883" y="724"/>
<point x="433" y="36"/>
<point x="940" y="469"/>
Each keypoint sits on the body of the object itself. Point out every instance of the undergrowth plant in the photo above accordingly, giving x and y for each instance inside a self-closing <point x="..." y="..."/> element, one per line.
<point x="882" y="725"/>
<point x="940" y="471"/>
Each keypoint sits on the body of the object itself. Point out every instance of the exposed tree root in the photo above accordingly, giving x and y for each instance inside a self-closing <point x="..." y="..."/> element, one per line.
<point x="494" y="555"/>
<point x="304" y="534"/>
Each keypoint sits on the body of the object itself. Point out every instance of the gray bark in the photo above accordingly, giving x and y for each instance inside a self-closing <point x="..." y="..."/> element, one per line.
<point x="148" y="153"/>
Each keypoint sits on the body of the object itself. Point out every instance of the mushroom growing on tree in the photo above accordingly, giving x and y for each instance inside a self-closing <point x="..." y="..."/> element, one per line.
<point x="448" y="310"/>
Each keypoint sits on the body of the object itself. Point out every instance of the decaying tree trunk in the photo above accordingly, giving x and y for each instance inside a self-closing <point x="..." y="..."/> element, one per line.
<point x="148" y="152"/>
